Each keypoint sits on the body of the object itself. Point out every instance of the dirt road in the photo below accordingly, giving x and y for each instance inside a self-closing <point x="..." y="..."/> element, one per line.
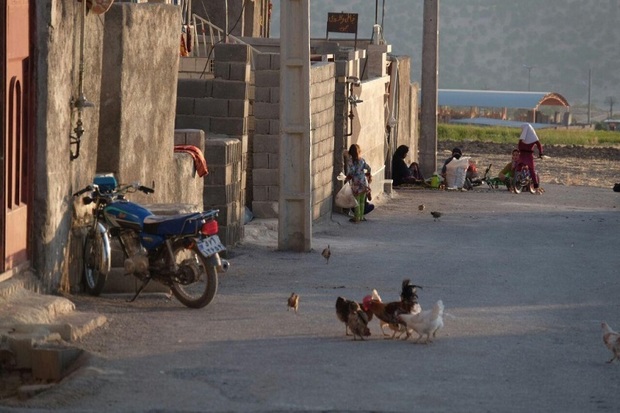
<point x="526" y="281"/>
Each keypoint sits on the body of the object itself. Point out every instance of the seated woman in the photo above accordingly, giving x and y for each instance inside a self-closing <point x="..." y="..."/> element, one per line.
<point x="507" y="174"/>
<point x="401" y="173"/>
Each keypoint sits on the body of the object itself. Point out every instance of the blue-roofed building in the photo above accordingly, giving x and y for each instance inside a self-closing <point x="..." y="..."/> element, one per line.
<point x="502" y="108"/>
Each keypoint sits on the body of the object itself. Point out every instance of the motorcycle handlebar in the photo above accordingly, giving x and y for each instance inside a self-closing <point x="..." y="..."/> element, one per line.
<point x="146" y="189"/>
<point x="83" y="190"/>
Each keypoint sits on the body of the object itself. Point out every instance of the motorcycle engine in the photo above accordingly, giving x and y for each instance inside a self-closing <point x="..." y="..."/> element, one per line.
<point x="137" y="260"/>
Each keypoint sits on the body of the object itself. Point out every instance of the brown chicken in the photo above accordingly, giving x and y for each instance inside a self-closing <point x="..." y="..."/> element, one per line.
<point x="343" y="309"/>
<point x="357" y="321"/>
<point x="389" y="312"/>
<point x="293" y="302"/>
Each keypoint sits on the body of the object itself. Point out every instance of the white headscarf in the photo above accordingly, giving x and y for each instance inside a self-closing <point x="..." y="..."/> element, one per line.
<point x="528" y="134"/>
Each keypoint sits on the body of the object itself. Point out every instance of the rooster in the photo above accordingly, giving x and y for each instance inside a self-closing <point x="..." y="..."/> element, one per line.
<point x="389" y="312"/>
<point x="357" y="321"/>
<point x="396" y="328"/>
<point x="611" y="340"/>
<point x="427" y="322"/>
<point x="343" y="310"/>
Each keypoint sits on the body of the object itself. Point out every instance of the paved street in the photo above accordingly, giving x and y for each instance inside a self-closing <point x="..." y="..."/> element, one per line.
<point x="525" y="279"/>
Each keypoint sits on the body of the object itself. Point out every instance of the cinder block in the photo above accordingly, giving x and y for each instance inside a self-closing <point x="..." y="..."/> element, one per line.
<point x="231" y="235"/>
<point x="266" y="143"/>
<point x="229" y="126"/>
<point x="194" y="88"/>
<point x="239" y="71"/>
<point x="221" y="194"/>
<point x="262" y="126"/>
<point x="265" y="209"/>
<point x="52" y="363"/>
<point x="266" y="177"/>
<point x="268" y="78"/>
<point x="264" y="110"/>
<point x="192" y="122"/>
<point x="222" y="151"/>
<point x="221" y="70"/>
<point x="185" y="106"/>
<point x="238" y="108"/>
<point x="228" y="52"/>
<point x="211" y="107"/>
<point x="263" y="61"/>
<point x="194" y="137"/>
<point x="230" y="214"/>
<point x="223" y="174"/>
<point x="229" y="89"/>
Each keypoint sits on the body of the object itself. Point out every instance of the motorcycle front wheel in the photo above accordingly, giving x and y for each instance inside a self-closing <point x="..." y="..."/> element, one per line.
<point x="94" y="278"/>
<point x="196" y="285"/>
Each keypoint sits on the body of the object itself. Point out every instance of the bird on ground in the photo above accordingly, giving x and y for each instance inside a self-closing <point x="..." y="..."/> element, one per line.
<point x="343" y="309"/>
<point x="293" y="302"/>
<point x="326" y="254"/>
<point x="611" y="340"/>
<point x="436" y="214"/>
<point x="425" y="323"/>
<point x="421" y="207"/>
<point x="357" y="321"/>
<point x="388" y="312"/>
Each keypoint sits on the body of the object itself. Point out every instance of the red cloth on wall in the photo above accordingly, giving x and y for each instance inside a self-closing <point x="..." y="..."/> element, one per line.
<point x="199" y="160"/>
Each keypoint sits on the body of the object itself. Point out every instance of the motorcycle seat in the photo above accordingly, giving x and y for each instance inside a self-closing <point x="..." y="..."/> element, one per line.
<point x="173" y="224"/>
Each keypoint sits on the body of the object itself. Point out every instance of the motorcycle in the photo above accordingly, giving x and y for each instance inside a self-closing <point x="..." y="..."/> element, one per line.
<point x="179" y="251"/>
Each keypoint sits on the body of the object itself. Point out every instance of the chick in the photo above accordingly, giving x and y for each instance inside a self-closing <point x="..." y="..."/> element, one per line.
<point x="436" y="214"/>
<point x="421" y="207"/>
<point x="293" y="302"/>
<point x="611" y="340"/>
<point x="326" y="254"/>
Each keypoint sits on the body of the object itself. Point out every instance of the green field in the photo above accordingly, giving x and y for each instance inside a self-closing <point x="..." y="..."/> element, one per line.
<point x="561" y="136"/>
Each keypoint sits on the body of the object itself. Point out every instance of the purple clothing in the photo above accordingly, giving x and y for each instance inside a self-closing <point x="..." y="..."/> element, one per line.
<point x="526" y="157"/>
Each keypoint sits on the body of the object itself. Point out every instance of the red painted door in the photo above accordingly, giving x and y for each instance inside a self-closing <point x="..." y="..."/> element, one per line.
<point x="16" y="147"/>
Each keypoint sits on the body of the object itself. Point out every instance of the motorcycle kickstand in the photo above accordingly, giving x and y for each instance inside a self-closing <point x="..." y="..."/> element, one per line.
<point x="142" y="287"/>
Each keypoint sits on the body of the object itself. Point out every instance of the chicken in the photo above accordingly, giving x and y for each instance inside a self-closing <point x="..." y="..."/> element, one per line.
<point x="357" y="321"/>
<point x="389" y="312"/>
<point x="326" y="254"/>
<point x="611" y="340"/>
<point x="436" y="214"/>
<point x="343" y="310"/>
<point x="293" y="302"/>
<point x="421" y="207"/>
<point x="396" y="328"/>
<point x="427" y="322"/>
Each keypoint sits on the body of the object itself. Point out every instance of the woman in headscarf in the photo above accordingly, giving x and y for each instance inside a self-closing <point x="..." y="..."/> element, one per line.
<point x="401" y="173"/>
<point x="527" y="141"/>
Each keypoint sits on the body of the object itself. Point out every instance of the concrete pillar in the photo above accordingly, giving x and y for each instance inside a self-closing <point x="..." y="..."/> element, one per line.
<point x="295" y="201"/>
<point x="430" y="64"/>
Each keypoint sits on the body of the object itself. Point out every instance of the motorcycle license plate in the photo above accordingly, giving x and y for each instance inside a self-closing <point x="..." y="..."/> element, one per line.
<point x="210" y="246"/>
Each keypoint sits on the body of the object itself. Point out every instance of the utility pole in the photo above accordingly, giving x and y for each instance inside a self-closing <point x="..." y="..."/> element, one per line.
<point x="589" y="96"/>
<point x="430" y="65"/>
<point x="529" y="72"/>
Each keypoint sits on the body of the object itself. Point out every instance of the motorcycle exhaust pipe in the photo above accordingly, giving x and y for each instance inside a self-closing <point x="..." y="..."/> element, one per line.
<point x="223" y="267"/>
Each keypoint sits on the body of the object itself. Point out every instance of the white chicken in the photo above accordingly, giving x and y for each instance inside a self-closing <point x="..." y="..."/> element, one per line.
<point x="427" y="322"/>
<point x="611" y="340"/>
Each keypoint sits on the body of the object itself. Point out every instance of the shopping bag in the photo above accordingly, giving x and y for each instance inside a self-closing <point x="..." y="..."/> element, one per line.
<point x="345" y="197"/>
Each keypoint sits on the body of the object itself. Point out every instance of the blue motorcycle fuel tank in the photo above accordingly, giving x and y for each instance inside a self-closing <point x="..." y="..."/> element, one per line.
<point x="125" y="214"/>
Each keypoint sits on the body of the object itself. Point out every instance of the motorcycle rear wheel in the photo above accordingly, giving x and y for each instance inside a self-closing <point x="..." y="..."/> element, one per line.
<point x="94" y="279"/>
<point x="201" y="292"/>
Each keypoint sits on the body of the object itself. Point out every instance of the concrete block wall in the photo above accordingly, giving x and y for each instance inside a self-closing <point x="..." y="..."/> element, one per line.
<point x="221" y="107"/>
<point x="266" y="144"/>
<point x="322" y="89"/>
<point x="223" y="188"/>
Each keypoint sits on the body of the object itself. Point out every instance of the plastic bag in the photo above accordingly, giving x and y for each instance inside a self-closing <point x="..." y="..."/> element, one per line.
<point x="345" y="197"/>
<point x="456" y="172"/>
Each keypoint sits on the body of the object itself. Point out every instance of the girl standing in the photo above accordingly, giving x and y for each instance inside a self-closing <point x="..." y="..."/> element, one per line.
<point x="358" y="174"/>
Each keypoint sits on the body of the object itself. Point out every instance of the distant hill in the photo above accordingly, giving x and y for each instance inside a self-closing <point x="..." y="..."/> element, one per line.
<point x="486" y="44"/>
